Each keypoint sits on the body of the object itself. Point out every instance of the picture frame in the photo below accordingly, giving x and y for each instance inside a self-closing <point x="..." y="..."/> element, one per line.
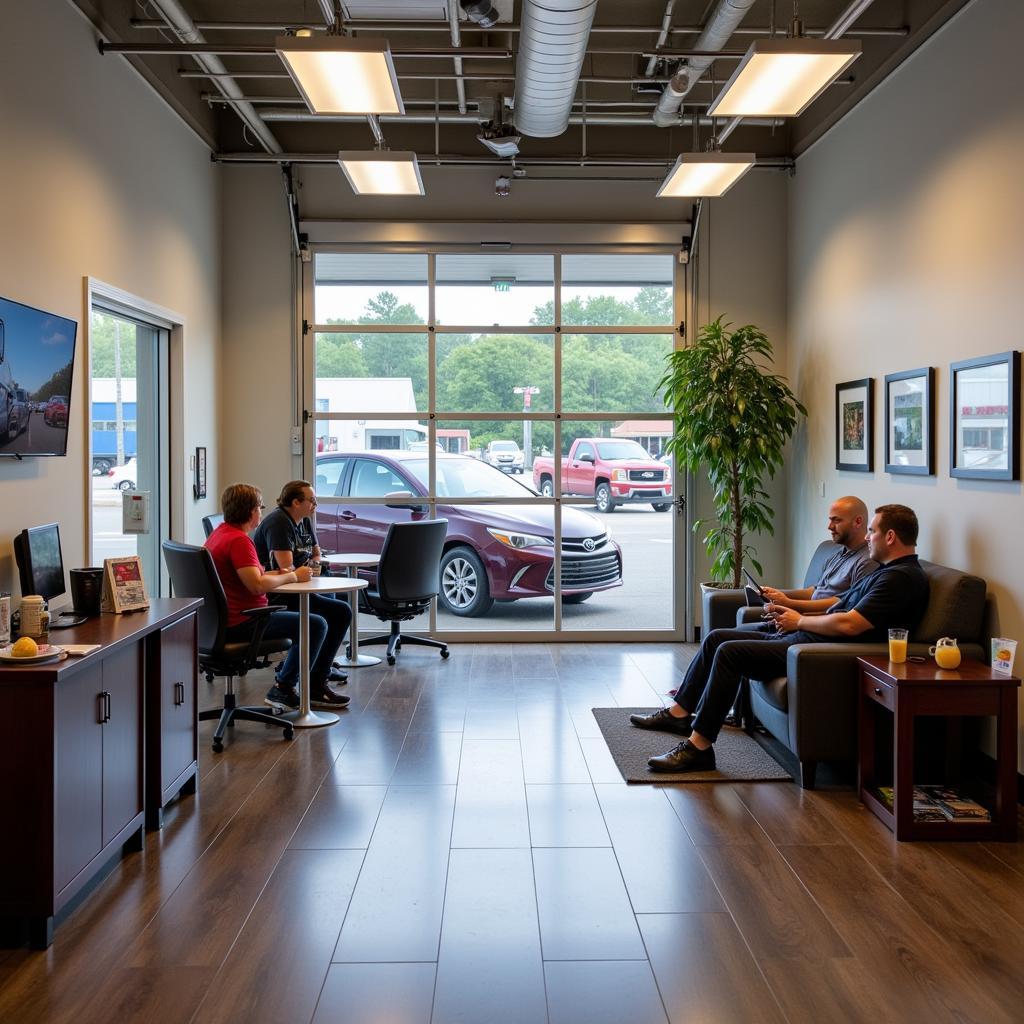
<point x="984" y="417"/>
<point x="855" y="439"/>
<point x="910" y="422"/>
<point x="124" y="587"/>
<point x="199" y="484"/>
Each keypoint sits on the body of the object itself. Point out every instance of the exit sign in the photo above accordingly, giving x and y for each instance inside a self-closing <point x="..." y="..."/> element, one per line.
<point x="502" y="284"/>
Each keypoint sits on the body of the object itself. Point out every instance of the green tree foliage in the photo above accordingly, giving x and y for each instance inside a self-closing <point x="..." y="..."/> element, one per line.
<point x="733" y="418"/>
<point x="102" y="334"/>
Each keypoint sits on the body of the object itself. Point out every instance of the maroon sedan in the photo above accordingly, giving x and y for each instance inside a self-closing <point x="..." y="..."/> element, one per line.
<point x="56" y="412"/>
<point x="492" y="552"/>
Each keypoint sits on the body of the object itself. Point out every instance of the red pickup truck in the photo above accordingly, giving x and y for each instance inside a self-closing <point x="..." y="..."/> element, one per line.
<point x="612" y="472"/>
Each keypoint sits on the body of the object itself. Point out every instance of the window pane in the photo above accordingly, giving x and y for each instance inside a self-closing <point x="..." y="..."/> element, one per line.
<point x="609" y="290"/>
<point x="624" y="479"/>
<point x="495" y="372"/>
<point x="348" y="436"/>
<point x="359" y="288"/>
<point x="370" y="372"/>
<point x="495" y="289"/>
<point x="613" y="372"/>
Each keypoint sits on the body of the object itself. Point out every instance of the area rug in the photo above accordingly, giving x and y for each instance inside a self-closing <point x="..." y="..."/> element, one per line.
<point x="739" y="757"/>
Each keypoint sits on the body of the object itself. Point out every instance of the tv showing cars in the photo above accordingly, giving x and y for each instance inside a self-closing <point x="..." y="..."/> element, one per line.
<point x="37" y="357"/>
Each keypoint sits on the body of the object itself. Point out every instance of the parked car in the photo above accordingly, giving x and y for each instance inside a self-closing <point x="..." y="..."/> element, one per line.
<point x="21" y="411"/>
<point x="613" y="472"/>
<point x="504" y="455"/>
<point x="56" y="411"/>
<point x="126" y="477"/>
<point x="492" y="552"/>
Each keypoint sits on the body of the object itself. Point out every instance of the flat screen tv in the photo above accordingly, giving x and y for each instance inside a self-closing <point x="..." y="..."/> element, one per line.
<point x="37" y="357"/>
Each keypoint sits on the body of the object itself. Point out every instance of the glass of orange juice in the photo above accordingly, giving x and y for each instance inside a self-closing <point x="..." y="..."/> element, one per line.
<point x="897" y="646"/>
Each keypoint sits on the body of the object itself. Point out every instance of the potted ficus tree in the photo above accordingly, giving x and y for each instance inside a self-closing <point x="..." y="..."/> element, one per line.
<point x="733" y="418"/>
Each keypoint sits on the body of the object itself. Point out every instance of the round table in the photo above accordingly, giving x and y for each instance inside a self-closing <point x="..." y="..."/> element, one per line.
<point x="305" y="718"/>
<point x="353" y="562"/>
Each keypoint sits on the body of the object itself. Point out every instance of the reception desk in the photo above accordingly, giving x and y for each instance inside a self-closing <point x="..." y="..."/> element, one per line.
<point x="91" y="749"/>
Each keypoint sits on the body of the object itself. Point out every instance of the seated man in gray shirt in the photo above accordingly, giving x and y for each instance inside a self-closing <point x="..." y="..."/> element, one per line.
<point x="848" y="527"/>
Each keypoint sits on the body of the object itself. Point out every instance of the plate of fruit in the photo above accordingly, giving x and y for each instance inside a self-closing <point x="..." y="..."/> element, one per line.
<point x="27" y="652"/>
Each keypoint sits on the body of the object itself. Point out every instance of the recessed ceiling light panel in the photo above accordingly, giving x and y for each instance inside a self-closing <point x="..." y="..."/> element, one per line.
<point x="342" y="75"/>
<point x="705" y="174"/>
<point x="781" y="77"/>
<point x="382" y="172"/>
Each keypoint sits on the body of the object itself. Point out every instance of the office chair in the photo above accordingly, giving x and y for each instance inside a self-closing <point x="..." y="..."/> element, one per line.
<point x="193" y="574"/>
<point x="407" y="580"/>
<point x="211" y="522"/>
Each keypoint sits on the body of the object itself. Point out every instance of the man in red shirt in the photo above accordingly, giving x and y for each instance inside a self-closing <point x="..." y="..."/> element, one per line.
<point x="246" y="585"/>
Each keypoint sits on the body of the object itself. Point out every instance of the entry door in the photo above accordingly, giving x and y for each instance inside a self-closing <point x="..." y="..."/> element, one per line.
<point x="129" y="436"/>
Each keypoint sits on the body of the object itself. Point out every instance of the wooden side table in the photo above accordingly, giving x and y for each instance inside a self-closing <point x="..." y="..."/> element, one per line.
<point x="913" y="689"/>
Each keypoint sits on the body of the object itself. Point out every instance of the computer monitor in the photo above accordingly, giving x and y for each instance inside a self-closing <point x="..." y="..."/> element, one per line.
<point x="41" y="566"/>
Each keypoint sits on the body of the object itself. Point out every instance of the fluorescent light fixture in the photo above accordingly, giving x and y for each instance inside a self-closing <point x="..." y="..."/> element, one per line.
<point x="780" y="77"/>
<point x="382" y="172"/>
<point x="342" y="75"/>
<point x="705" y="174"/>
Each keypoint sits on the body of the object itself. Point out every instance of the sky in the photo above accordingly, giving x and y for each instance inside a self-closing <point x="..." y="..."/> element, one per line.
<point x="37" y="344"/>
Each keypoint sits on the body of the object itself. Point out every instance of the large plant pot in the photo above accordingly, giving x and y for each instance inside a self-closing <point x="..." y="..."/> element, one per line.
<point x="719" y="602"/>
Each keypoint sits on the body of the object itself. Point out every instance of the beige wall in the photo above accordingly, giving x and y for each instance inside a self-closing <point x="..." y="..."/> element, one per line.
<point x="907" y="250"/>
<point x="742" y="235"/>
<point x="98" y="178"/>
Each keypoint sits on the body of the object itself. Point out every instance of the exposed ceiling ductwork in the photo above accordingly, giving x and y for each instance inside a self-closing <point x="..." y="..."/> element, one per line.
<point x="552" y="43"/>
<point x="723" y="21"/>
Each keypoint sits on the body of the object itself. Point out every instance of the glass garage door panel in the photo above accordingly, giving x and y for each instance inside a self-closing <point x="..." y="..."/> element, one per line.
<point x="495" y="289"/>
<point x="354" y="288"/>
<point x="609" y="290"/>
<point x="371" y="372"/>
<point x="495" y="372"/>
<point x="613" y="372"/>
<point x="639" y="523"/>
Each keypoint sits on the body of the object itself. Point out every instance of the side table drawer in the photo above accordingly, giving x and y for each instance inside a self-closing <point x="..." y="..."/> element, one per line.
<point x="879" y="692"/>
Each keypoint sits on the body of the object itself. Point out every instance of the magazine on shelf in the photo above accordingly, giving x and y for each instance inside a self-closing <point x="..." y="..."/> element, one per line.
<point x="124" y="589"/>
<point x="955" y="806"/>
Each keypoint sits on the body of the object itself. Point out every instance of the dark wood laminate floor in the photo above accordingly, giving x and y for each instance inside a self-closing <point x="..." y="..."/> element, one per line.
<point x="461" y="848"/>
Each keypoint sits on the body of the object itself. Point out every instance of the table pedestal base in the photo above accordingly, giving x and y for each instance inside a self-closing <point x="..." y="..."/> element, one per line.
<point x="311" y="719"/>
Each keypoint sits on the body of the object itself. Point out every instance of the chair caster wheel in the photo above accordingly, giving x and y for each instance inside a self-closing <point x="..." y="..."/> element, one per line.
<point x="217" y="746"/>
<point x="289" y="733"/>
<point x="391" y="659"/>
<point x="445" y="654"/>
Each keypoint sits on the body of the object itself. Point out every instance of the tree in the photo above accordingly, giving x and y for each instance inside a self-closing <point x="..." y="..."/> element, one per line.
<point x="733" y="418"/>
<point x="101" y="347"/>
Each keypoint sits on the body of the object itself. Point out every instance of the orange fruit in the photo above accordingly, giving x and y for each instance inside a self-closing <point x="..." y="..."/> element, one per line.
<point x="26" y="647"/>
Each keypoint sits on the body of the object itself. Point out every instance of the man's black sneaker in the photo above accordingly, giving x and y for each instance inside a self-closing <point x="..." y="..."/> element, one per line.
<point x="281" y="699"/>
<point x="664" y="721"/>
<point x="684" y="757"/>
<point x="326" y="698"/>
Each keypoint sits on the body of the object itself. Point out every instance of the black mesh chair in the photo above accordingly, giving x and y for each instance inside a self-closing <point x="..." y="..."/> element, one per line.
<point x="407" y="581"/>
<point x="211" y="522"/>
<point x="193" y="574"/>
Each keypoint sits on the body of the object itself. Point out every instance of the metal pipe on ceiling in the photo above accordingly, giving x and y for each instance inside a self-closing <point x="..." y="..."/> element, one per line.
<point x="606" y="79"/>
<point x="666" y="27"/>
<point x="453" y="24"/>
<point x="720" y="26"/>
<point x="847" y="17"/>
<point x="442" y="117"/>
<point x="246" y="50"/>
<point x="183" y="27"/>
<point x="440" y="26"/>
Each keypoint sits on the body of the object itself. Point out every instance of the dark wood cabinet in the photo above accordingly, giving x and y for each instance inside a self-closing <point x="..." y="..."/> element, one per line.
<point x="75" y="755"/>
<point x="171" y="709"/>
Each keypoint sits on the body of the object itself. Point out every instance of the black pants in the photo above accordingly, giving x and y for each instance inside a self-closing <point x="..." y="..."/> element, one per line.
<point x="725" y="657"/>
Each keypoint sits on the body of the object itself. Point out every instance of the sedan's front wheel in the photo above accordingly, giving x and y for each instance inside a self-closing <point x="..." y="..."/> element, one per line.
<point x="464" y="590"/>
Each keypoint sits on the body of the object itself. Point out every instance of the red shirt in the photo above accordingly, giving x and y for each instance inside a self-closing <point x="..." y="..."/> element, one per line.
<point x="232" y="550"/>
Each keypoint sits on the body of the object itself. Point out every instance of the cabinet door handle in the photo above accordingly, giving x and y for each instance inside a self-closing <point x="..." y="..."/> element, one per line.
<point x="179" y="694"/>
<point x="878" y="691"/>
<point x="101" y="707"/>
<point x="106" y="694"/>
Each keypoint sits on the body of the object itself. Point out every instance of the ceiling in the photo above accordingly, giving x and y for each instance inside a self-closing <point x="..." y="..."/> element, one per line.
<point x="633" y="48"/>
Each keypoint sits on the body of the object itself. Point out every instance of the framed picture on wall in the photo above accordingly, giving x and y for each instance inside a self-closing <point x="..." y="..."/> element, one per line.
<point x="855" y="425"/>
<point x="984" y="417"/>
<point x="910" y="422"/>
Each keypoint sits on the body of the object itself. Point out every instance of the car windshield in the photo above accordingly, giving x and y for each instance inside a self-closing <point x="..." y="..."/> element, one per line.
<point x="612" y="450"/>
<point x="468" y="478"/>
<point x="504" y="446"/>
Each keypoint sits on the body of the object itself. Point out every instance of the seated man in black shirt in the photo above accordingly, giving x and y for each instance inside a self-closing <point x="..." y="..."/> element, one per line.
<point x="895" y="595"/>
<point x="285" y="540"/>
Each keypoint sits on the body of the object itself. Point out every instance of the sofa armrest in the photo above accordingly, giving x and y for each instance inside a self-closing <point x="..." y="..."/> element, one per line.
<point x="720" y="607"/>
<point x="749" y="613"/>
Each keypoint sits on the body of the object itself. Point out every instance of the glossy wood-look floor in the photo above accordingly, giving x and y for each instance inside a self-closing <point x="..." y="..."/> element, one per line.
<point x="462" y="848"/>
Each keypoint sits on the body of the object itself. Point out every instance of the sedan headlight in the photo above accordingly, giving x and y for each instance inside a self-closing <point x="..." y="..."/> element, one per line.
<point x="620" y="475"/>
<point x="521" y="540"/>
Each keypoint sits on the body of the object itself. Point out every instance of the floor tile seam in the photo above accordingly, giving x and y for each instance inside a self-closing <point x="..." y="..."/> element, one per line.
<point x="755" y="960"/>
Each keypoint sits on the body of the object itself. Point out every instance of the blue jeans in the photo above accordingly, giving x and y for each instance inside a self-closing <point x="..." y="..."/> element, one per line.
<point x="285" y="625"/>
